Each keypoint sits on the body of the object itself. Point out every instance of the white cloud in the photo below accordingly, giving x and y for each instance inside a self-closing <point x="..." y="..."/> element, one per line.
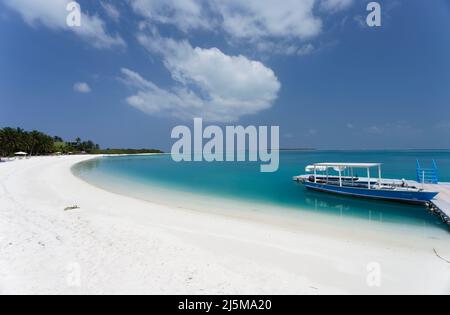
<point x="360" y="21"/>
<point x="393" y="129"/>
<point x="209" y="84"/>
<point x="250" y="19"/>
<point x="305" y="50"/>
<point x="111" y="10"/>
<point x="53" y="14"/>
<point x="185" y="14"/>
<point x="269" y="26"/>
<point x="82" y="87"/>
<point x="335" y="5"/>
<point x="375" y="130"/>
<point x="285" y="48"/>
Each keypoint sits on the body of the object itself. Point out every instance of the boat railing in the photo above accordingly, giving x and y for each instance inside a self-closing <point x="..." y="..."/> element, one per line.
<point x="374" y="185"/>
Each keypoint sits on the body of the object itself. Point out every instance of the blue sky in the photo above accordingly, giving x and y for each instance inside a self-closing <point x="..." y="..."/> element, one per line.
<point x="137" y="68"/>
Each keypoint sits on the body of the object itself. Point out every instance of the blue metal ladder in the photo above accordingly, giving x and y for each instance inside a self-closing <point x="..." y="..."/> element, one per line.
<point x="427" y="175"/>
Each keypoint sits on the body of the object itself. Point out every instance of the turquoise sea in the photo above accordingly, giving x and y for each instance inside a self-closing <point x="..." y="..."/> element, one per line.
<point x="244" y="182"/>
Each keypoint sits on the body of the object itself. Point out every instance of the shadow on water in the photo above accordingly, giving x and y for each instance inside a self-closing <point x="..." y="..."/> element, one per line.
<point x="372" y="210"/>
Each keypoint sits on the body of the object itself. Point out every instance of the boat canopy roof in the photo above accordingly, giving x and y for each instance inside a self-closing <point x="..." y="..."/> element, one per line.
<point x="348" y="165"/>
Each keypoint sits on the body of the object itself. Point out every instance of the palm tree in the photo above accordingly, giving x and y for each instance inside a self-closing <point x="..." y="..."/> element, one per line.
<point x="11" y="140"/>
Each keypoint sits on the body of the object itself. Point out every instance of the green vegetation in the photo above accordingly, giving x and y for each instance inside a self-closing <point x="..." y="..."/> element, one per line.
<point x="127" y="151"/>
<point x="14" y="140"/>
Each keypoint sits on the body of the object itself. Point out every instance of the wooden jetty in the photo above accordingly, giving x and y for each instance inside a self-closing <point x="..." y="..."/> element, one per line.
<point x="441" y="203"/>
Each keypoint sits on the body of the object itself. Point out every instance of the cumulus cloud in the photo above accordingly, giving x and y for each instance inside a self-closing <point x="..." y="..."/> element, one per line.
<point x="53" y="14"/>
<point x="208" y="83"/>
<point x="82" y="87"/>
<point x="250" y="19"/>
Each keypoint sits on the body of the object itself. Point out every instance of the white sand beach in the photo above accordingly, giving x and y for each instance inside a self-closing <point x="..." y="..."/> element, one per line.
<point x="115" y="244"/>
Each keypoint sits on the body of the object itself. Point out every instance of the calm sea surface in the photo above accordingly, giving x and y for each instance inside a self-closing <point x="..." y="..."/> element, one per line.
<point x="244" y="182"/>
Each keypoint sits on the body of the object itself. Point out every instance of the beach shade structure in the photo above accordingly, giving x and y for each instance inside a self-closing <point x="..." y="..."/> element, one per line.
<point x="20" y="155"/>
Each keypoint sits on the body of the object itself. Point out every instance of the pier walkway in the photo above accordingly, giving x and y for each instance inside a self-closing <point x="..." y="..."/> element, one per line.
<point x="441" y="203"/>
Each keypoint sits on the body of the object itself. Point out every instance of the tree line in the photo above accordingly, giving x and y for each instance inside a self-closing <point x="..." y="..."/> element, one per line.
<point x="34" y="142"/>
<point x="13" y="140"/>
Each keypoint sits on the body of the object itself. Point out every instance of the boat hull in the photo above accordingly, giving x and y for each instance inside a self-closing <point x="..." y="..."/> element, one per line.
<point x="415" y="197"/>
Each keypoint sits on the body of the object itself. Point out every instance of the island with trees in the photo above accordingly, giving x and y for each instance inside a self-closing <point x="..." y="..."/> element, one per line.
<point x="13" y="140"/>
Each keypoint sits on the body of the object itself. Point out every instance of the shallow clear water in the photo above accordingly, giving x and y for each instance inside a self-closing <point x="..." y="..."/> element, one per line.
<point x="243" y="181"/>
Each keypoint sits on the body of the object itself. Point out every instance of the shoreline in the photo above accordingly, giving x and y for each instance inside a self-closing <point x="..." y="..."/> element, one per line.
<point x="126" y="245"/>
<point x="374" y="227"/>
<point x="287" y="218"/>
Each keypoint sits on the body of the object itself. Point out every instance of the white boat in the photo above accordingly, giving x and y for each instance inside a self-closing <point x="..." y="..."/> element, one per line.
<point x="346" y="183"/>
